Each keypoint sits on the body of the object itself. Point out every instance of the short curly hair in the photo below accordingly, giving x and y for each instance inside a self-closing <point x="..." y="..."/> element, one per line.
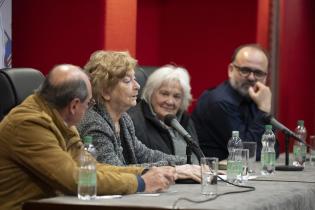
<point x="106" y="68"/>
<point x="166" y="74"/>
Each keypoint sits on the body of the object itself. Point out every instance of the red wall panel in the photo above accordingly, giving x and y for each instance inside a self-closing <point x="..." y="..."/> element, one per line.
<point x="198" y="36"/>
<point x="46" y="33"/>
<point x="297" y="52"/>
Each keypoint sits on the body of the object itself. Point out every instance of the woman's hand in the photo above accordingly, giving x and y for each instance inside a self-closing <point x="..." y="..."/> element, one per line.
<point x="189" y="172"/>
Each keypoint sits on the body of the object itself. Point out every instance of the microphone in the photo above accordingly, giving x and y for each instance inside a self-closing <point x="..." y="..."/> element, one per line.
<point x="288" y="133"/>
<point x="276" y="124"/>
<point x="171" y="121"/>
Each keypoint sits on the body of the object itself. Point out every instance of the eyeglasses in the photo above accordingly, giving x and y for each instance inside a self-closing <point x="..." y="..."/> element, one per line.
<point x="91" y="103"/>
<point x="245" y="71"/>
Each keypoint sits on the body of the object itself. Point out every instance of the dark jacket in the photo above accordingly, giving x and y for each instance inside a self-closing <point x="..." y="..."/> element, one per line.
<point x="222" y="110"/>
<point x="151" y="132"/>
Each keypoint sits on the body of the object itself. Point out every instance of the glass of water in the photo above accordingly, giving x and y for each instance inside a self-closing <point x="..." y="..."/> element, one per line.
<point x="252" y="147"/>
<point x="209" y="172"/>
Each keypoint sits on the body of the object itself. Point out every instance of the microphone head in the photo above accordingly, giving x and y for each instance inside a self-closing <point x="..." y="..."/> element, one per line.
<point x="168" y="119"/>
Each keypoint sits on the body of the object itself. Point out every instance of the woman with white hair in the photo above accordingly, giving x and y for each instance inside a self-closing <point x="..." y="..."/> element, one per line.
<point x="167" y="91"/>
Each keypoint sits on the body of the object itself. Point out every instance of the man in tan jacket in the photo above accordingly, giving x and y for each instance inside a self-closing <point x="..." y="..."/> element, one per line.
<point x="39" y="146"/>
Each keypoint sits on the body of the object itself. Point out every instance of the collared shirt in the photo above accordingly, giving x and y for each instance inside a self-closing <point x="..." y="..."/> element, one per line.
<point x="222" y="110"/>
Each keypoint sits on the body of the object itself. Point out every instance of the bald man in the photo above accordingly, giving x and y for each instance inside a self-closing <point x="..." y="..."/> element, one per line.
<point x="240" y="103"/>
<point x="39" y="146"/>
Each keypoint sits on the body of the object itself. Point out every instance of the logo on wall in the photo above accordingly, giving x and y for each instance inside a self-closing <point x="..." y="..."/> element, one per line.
<point x="5" y="33"/>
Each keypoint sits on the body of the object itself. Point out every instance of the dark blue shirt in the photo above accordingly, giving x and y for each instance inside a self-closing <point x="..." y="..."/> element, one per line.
<point x="222" y="110"/>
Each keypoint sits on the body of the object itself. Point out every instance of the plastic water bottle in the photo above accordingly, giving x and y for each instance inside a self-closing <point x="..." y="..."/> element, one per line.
<point x="268" y="154"/>
<point x="299" y="149"/>
<point x="234" y="165"/>
<point x="87" y="173"/>
<point x="88" y="146"/>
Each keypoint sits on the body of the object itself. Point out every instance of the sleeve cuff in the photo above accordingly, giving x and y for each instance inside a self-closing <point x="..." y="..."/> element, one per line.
<point x="141" y="184"/>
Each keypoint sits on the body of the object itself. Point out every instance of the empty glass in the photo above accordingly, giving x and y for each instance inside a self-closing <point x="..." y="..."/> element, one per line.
<point x="209" y="172"/>
<point x="252" y="147"/>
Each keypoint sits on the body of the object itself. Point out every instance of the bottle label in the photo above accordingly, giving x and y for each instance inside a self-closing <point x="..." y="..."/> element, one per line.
<point x="299" y="153"/>
<point x="234" y="169"/>
<point x="87" y="178"/>
<point x="268" y="160"/>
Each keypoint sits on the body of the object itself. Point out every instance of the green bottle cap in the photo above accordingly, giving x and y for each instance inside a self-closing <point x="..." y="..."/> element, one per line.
<point x="87" y="139"/>
<point x="300" y="122"/>
<point x="268" y="127"/>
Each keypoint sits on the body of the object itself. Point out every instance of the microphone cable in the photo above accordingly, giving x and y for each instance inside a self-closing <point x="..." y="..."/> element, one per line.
<point x="248" y="189"/>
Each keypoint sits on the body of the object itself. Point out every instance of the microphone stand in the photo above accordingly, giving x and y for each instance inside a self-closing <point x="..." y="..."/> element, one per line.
<point x="286" y="167"/>
<point x="192" y="146"/>
<point x="188" y="154"/>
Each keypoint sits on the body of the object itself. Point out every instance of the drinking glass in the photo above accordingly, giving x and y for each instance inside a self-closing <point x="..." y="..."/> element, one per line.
<point x="209" y="172"/>
<point x="252" y="147"/>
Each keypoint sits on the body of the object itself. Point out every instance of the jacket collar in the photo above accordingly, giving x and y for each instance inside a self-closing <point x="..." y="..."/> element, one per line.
<point x="70" y="134"/>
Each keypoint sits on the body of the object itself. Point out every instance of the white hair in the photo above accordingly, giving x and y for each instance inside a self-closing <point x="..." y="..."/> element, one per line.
<point x="167" y="74"/>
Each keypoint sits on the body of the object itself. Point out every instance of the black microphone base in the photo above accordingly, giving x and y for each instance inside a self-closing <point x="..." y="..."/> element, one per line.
<point x="289" y="168"/>
<point x="186" y="181"/>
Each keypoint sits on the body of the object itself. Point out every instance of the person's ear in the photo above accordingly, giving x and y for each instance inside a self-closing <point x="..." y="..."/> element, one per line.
<point x="106" y="95"/>
<point x="73" y="106"/>
<point x="230" y="70"/>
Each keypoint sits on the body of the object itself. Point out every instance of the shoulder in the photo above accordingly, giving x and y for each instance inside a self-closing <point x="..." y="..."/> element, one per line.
<point x="91" y="117"/>
<point x="29" y="112"/>
<point x="126" y="119"/>
<point x="93" y="120"/>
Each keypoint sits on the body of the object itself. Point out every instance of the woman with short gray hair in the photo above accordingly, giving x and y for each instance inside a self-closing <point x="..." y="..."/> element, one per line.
<point x="167" y="92"/>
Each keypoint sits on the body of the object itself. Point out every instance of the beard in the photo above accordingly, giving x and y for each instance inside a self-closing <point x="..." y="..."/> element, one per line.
<point x="242" y="87"/>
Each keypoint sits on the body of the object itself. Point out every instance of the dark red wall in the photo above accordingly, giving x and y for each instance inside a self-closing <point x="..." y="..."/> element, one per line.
<point x="199" y="36"/>
<point x="51" y="32"/>
<point x="297" y="74"/>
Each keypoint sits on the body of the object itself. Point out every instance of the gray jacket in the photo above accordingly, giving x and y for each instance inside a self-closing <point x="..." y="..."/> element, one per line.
<point x="122" y="149"/>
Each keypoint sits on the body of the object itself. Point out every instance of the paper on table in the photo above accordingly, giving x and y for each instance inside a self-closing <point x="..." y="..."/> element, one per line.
<point x="224" y="177"/>
<point x="148" y="194"/>
<point x="108" y="197"/>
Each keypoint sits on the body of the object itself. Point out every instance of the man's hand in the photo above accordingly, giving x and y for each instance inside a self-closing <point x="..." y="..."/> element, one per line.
<point x="261" y="95"/>
<point x="159" y="178"/>
<point x="189" y="172"/>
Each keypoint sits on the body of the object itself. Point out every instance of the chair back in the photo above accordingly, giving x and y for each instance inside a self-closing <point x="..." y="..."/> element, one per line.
<point x="15" y="85"/>
<point x="142" y="73"/>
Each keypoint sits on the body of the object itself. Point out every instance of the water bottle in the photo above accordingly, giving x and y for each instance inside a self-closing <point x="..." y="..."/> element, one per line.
<point x="88" y="146"/>
<point x="234" y="165"/>
<point x="87" y="173"/>
<point x="268" y="154"/>
<point x="299" y="149"/>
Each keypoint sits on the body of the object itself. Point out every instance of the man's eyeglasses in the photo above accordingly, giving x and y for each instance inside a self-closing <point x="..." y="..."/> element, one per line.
<point x="91" y="103"/>
<point x="245" y="71"/>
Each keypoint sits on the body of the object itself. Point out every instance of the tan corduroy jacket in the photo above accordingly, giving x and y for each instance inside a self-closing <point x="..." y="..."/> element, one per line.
<point x="38" y="155"/>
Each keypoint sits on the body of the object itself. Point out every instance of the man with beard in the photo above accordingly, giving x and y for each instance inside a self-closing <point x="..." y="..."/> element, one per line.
<point x="240" y="103"/>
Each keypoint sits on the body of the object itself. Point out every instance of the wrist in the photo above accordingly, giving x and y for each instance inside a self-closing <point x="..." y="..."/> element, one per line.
<point x="141" y="184"/>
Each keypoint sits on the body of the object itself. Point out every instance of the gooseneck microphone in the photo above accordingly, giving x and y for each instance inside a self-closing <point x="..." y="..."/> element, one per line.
<point x="171" y="121"/>
<point x="288" y="133"/>
<point x="276" y="124"/>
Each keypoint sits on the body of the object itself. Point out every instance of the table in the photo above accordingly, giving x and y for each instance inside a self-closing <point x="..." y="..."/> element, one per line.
<point x="283" y="190"/>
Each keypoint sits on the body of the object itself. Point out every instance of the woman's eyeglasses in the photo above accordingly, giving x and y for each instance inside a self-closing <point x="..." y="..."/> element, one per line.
<point x="245" y="71"/>
<point x="91" y="103"/>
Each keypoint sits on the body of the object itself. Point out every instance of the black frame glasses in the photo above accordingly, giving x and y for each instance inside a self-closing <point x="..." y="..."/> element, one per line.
<point x="245" y="71"/>
<point x="91" y="103"/>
